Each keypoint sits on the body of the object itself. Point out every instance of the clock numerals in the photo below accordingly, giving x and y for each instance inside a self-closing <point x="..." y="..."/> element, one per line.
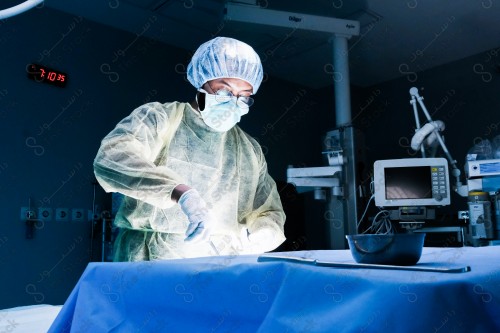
<point x="47" y="75"/>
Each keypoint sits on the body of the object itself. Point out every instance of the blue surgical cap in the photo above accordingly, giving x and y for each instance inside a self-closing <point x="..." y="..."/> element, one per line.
<point x="224" y="57"/>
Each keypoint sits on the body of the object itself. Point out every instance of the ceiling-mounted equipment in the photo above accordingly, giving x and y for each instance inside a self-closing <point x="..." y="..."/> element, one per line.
<point x="338" y="31"/>
<point x="18" y="9"/>
<point x="264" y="16"/>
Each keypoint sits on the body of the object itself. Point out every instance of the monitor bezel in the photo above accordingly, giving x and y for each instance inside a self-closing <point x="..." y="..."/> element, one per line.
<point x="379" y="168"/>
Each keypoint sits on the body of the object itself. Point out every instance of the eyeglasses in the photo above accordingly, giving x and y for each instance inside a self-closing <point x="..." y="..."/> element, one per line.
<point x="224" y="95"/>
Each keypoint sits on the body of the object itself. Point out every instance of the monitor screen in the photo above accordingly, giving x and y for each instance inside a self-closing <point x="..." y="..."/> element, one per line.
<point x="408" y="182"/>
<point x="411" y="182"/>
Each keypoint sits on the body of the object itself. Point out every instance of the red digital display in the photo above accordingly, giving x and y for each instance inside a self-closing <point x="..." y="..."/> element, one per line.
<point x="44" y="74"/>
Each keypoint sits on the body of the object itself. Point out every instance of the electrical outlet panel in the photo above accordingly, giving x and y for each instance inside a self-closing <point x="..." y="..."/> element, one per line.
<point x="93" y="216"/>
<point x="78" y="214"/>
<point x="45" y="214"/>
<point x="62" y="214"/>
<point x="27" y="214"/>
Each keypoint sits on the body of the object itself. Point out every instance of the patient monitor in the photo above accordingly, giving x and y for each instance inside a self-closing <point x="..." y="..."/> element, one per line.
<point x="410" y="188"/>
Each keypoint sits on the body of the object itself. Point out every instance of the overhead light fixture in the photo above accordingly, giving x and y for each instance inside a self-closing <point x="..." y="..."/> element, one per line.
<point x="18" y="9"/>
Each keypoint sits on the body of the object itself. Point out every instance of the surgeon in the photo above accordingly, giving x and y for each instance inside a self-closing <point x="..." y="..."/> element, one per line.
<point x="194" y="183"/>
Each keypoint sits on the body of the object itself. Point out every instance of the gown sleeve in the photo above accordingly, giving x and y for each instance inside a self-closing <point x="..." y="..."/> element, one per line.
<point x="126" y="161"/>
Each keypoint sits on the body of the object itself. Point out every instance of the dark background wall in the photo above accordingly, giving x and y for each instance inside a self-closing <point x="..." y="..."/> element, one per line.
<point x="50" y="135"/>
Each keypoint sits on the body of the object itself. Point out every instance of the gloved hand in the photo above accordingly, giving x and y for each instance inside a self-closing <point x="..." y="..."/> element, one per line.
<point x="200" y="219"/>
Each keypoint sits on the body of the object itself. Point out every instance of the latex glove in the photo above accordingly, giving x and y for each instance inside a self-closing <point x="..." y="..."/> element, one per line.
<point x="200" y="219"/>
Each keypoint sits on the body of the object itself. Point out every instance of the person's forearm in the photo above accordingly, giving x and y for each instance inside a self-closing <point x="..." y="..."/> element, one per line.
<point x="148" y="184"/>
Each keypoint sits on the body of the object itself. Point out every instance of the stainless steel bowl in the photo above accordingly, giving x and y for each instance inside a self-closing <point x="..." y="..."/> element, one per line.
<point x="394" y="249"/>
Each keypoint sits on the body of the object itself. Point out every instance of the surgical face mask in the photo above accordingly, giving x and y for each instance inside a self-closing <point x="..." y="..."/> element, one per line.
<point x="219" y="113"/>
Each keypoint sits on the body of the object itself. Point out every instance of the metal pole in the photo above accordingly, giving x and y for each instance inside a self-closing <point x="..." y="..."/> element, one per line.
<point x="342" y="209"/>
<point x="341" y="81"/>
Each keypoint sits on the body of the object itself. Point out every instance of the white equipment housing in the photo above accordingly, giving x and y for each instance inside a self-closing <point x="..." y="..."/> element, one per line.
<point x="259" y="15"/>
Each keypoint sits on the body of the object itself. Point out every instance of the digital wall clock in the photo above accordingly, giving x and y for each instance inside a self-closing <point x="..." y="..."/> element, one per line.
<point x="44" y="74"/>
